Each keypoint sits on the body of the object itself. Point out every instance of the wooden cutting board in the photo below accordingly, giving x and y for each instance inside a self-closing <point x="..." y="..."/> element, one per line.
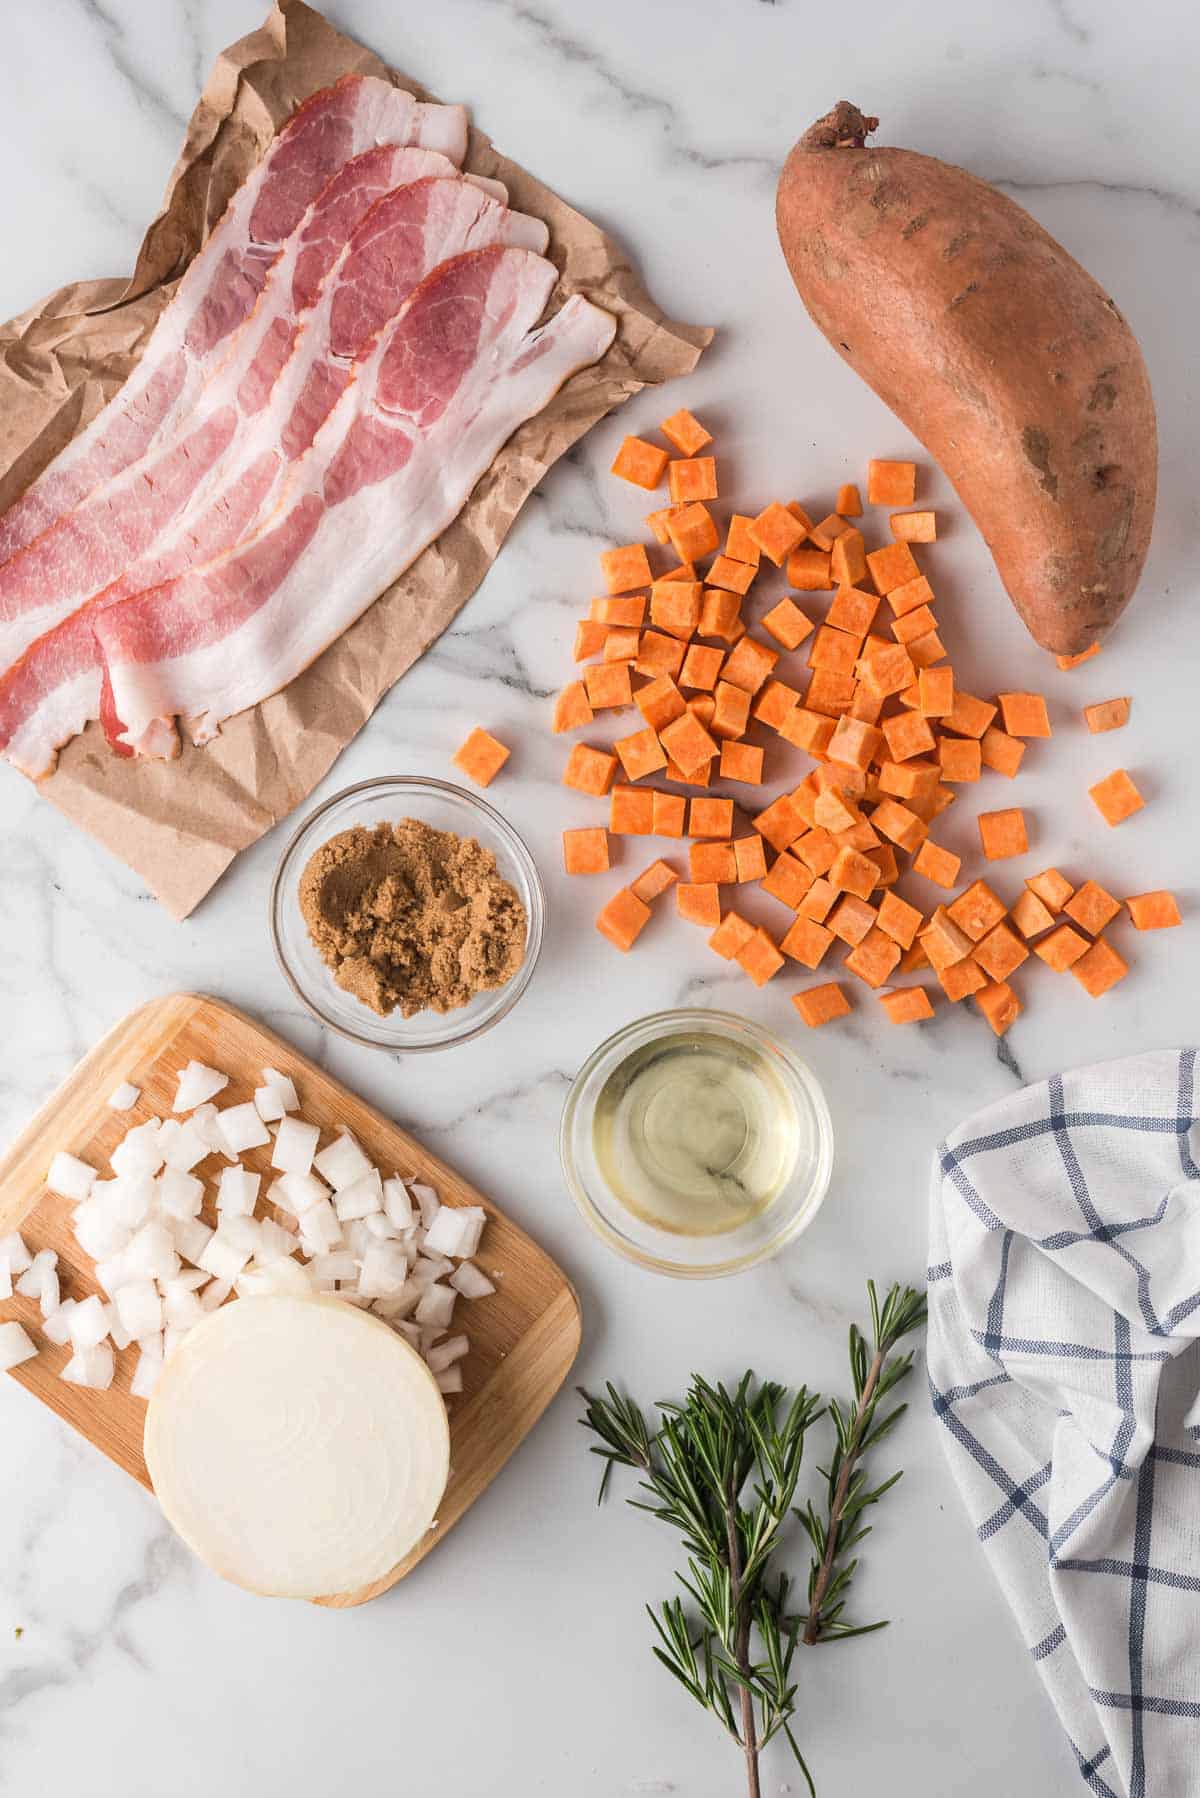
<point x="523" y="1338"/>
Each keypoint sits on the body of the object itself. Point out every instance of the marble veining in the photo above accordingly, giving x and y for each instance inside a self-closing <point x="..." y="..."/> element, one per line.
<point x="517" y="1659"/>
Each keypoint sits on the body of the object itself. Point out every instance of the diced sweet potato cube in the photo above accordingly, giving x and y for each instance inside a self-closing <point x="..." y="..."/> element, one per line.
<point x="907" y="780"/>
<point x="675" y="606"/>
<point x="945" y="943"/>
<point x="854" y="742"/>
<point x="939" y="865"/>
<point x="1025" y="714"/>
<point x="807" y="941"/>
<point x="825" y="533"/>
<point x="688" y="743"/>
<point x="742" y="761"/>
<point x="699" y="902"/>
<point x="908" y="735"/>
<point x="1107" y="714"/>
<point x="787" y="624"/>
<point x="851" y="918"/>
<point x="589" y="639"/>
<point x="1062" y="948"/>
<point x="809" y="570"/>
<point x="1085" y="655"/>
<point x="760" y="958"/>
<point x="731" y="934"/>
<point x="589" y="770"/>
<point x="702" y="777"/>
<point x="914" y="527"/>
<point x="818" y="901"/>
<point x="977" y="910"/>
<point x="910" y="596"/>
<point x="653" y="880"/>
<point x="781" y="822"/>
<point x="788" y="881"/>
<point x="623" y="919"/>
<point x="900" y="825"/>
<point x="775" y="700"/>
<point x="821" y="1004"/>
<point x="1000" y="752"/>
<point x="631" y="812"/>
<point x="899" y="920"/>
<point x="999" y="1005"/>
<point x="1051" y="887"/>
<point x="907" y="1004"/>
<point x="936" y="689"/>
<point x="832" y="813"/>
<point x="481" y="757"/>
<point x="658" y="522"/>
<point x="750" y="858"/>
<point x="622" y="646"/>
<point x="659" y="654"/>
<point x="585" y="851"/>
<point x="847" y="558"/>
<point x="817" y="850"/>
<point x="571" y="708"/>
<point x="924" y="651"/>
<point x="961" y="978"/>
<point x="727" y="575"/>
<point x="891" y="483"/>
<point x="1030" y="916"/>
<point x="712" y="861"/>
<point x="807" y="730"/>
<point x="1154" y="911"/>
<point x="686" y="571"/>
<point x="626" y="610"/>
<point x="608" y="685"/>
<point x="720" y="614"/>
<point x="625" y="568"/>
<point x="1100" y="968"/>
<point x="668" y="814"/>
<point x="1116" y="797"/>
<point x="640" y="462"/>
<point x="692" y="478"/>
<point x="892" y="566"/>
<point x="701" y="666"/>
<point x="875" y="957"/>
<point x="911" y="626"/>
<point x="853" y="872"/>
<point x="731" y="711"/>
<point x="1000" y="953"/>
<point x="693" y="532"/>
<point x="853" y="611"/>
<point x="777" y="532"/>
<point x="1002" y="834"/>
<point x="1092" y="908"/>
<point x="834" y="650"/>
<point x="641" y="754"/>
<point x="829" y="692"/>
<point x="660" y="702"/>
<point x="914" y="959"/>
<point x="970" y="717"/>
<point x="710" y="818"/>
<point x="888" y="667"/>
<point x="749" y="664"/>
<point x="739" y="544"/>
<point x="849" y="501"/>
<point x="685" y="432"/>
<point x="959" y="758"/>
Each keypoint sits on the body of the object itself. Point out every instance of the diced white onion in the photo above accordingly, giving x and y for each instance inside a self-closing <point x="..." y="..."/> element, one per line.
<point x="361" y="1199"/>
<point x="57" y="1327"/>
<point x="49" y="1294"/>
<point x="140" y="1308"/>
<point x="397" y="1202"/>
<point x="180" y="1195"/>
<point x="183" y="1145"/>
<point x="139" y="1150"/>
<point x="320" y="1230"/>
<point x="436" y="1306"/>
<point x="146" y="1374"/>
<point x="274" y="1243"/>
<point x="205" y="1121"/>
<point x="92" y="1367"/>
<point x="151" y="1254"/>
<point x="69" y="1177"/>
<point x="339" y="1266"/>
<point x="222" y="1259"/>
<point x="215" y="1294"/>
<point x="124" y="1097"/>
<point x="295" y="1145"/>
<point x="14" y="1251"/>
<point x="427" y="1200"/>
<point x="342" y="1163"/>
<point x="15" y="1346"/>
<point x="445" y="1354"/>
<point x="242" y="1128"/>
<point x="379" y="1227"/>
<point x="6" y="1284"/>
<point x="298" y="1193"/>
<point x="192" y="1236"/>
<point x="450" y="1380"/>
<point x="237" y="1192"/>
<point x="471" y="1281"/>
<point x="88" y="1323"/>
<point x="451" y="1231"/>
<point x="30" y="1284"/>
<point x="281" y="1276"/>
<point x="198" y="1084"/>
<point x="118" y="1334"/>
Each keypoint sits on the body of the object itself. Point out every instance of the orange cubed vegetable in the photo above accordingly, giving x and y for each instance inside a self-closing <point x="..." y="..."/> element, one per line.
<point x="970" y="717"/>
<point x="658" y="522"/>
<point x="977" y="910"/>
<point x="853" y="611"/>
<point x="910" y="596"/>
<point x="1002" y="834"/>
<point x="589" y="770"/>
<point x="891" y="483"/>
<point x="710" y="818"/>
<point x="659" y="654"/>
<point x="821" y="1004"/>
<point x="851" y="918"/>
<point x="760" y="958"/>
<point x="720" y="614"/>
<point x="891" y="567"/>
<point x="481" y="757"/>
<point x="571" y="708"/>
<point x="749" y="664"/>
<point x="1108" y="714"/>
<point x="640" y="462"/>
<point x="685" y="432"/>
<point x="818" y="901"/>
<point x="589" y="639"/>
<point x="701" y="777"/>
<point x="739" y="544"/>
<point x="887" y="666"/>
<point x="851" y="871"/>
<point x="1000" y="752"/>
<point x="788" y="881"/>
<point x="939" y="865"/>
<point x="622" y="646"/>
<point x="944" y="942"/>
<point x="832" y="813"/>
<point x="910" y="627"/>
<point x="623" y="919"/>
<point x="627" y="610"/>
<point x="641" y="754"/>
<point x="1051" y="887"/>
<point x="809" y="570"/>
<point x="625" y="568"/>
<point x="807" y="942"/>
<point x="692" y="478"/>
<point x="961" y="978"/>
<point x="675" y="606"/>
<point x="731" y="575"/>
<point x="1116" y="797"/>
<point x="743" y="762"/>
<point x="900" y="825"/>
<point x="701" y="666"/>
<point x="660" y="702"/>
<point x="829" y="692"/>
<point x="631" y="812"/>
<point x="914" y="527"/>
<point x="777" y="532"/>
<point x="847" y="559"/>
<point x="1062" y="948"/>
<point x="1030" y="916"/>
<point x="781" y="822"/>
<point x="999" y="1005"/>
<point x="875" y="957"/>
<point x="1154" y="911"/>
<point x="833" y="650"/>
<point x="807" y="730"/>
<point x="686" y="571"/>
<point x="1025" y="714"/>
<point x="925" y="651"/>
<point x="826" y="533"/>
<point x="936" y="689"/>
<point x="688" y="743"/>
<point x="908" y="735"/>
<point x="1085" y="655"/>
<point x="653" y="881"/>
<point x="787" y="624"/>
<point x="712" y="861"/>
<point x="899" y="920"/>
<point x="693" y="532"/>
<point x="959" y="758"/>
<point x="731" y="711"/>
<point x="849" y="501"/>
<point x="854" y="743"/>
<point x="1092" y="908"/>
<point x="668" y="816"/>
<point x="907" y="1004"/>
<point x="1000" y="953"/>
<point x="608" y="685"/>
<point x="750" y="858"/>
<point x="585" y="851"/>
<point x="731" y="934"/>
<point x="1100" y="968"/>
<point x="914" y="959"/>
<point x="907" y="780"/>
<point x="699" y="903"/>
<point x="702" y="706"/>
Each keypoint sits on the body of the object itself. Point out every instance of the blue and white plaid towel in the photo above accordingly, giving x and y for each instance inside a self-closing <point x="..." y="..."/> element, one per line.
<point x="1064" y="1294"/>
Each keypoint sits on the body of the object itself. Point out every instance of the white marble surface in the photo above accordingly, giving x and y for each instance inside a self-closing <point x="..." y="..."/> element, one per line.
<point x="517" y="1660"/>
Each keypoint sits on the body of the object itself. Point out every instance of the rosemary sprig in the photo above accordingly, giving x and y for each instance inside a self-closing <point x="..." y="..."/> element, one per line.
<point x="721" y="1469"/>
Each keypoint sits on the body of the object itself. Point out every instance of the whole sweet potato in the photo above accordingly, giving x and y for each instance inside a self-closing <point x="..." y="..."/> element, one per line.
<point x="1006" y="359"/>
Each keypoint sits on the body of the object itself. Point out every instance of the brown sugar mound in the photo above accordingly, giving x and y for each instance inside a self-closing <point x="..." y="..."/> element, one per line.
<point x="410" y="918"/>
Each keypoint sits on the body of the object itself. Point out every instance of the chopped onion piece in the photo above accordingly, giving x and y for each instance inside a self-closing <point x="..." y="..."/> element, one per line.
<point x="14" y="1251"/>
<point x="151" y="1254"/>
<point x="49" y="1293"/>
<point x="295" y="1145"/>
<point x="189" y="1279"/>
<point x="6" y="1285"/>
<point x="119" y="1335"/>
<point x="451" y="1231"/>
<point x="445" y="1354"/>
<point x="124" y="1097"/>
<point x="342" y="1163"/>
<point x="139" y="1150"/>
<point x="384" y="1271"/>
<point x="181" y="1306"/>
<point x="471" y="1281"/>
<point x="237" y="1192"/>
<point x="402" y="1304"/>
<point x="15" y="1346"/>
<point x="242" y="1128"/>
<point x="361" y="1199"/>
<point x="173" y="1335"/>
<point x="215" y="1294"/>
<point x="380" y="1228"/>
<point x="93" y="1367"/>
<point x="428" y="1268"/>
<point x="281" y="1276"/>
<point x="30" y="1284"/>
<point x="183" y="1145"/>
<point x="192" y="1236"/>
<point x="320" y="1230"/>
<point x="89" y="1324"/>
<point x="397" y="1202"/>
<point x="274" y="1243"/>
<point x="146" y="1374"/>
<point x="298" y="1193"/>
<point x="180" y="1195"/>
<point x="450" y="1380"/>
<point x="57" y="1327"/>
<point x="427" y="1200"/>
<point x="339" y="1266"/>
<point x="222" y="1258"/>
<point x="436" y="1306"/>
<point x="112" y="1272"/>
<point x="139" y="1306"/>
<point x="205" y="1121"/>
<point x="198" y="1084"/>
<point x="70" y="1178"/>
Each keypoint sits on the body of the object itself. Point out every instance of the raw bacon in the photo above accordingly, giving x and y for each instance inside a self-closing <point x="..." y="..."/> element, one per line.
<point x="447" y="384"/>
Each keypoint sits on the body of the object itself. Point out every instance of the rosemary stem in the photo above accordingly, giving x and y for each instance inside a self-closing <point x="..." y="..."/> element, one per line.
<point x="813" y="1627"/>
<point x="741" y="1611"/>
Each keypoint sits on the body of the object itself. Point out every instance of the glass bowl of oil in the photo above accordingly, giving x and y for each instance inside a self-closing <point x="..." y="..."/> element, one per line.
<point x="695" y="1143"/>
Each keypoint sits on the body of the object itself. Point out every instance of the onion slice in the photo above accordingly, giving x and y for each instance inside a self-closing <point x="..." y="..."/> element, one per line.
<point x="298" y="1445"/>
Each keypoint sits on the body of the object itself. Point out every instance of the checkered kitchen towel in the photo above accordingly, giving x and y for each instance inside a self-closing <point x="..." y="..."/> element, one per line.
<point x="1064" y="1308"/>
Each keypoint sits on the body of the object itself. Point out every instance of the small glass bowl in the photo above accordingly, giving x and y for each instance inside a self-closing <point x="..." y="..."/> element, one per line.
<point x="697" y="1257"/>
<point x="387" y="801"/>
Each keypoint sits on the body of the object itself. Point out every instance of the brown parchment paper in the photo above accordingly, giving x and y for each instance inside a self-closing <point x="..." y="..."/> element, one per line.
<point x="180" y="824"/>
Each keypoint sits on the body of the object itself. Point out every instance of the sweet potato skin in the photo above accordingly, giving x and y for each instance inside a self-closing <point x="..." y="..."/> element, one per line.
<point x="998" y="351"/>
